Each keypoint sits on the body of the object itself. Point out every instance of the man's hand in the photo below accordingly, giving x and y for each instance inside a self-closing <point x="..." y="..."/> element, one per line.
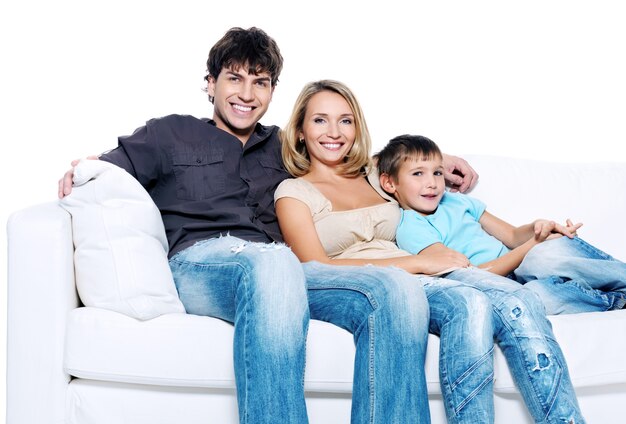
<point x="459" y="175"/>
<point x="65" y="183"/>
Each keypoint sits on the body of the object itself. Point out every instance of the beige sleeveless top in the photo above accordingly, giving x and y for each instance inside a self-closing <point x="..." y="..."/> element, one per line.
<point x="366" y="233"/>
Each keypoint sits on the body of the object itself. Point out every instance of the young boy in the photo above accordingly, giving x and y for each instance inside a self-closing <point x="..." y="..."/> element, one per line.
<point x="410" y="169"/>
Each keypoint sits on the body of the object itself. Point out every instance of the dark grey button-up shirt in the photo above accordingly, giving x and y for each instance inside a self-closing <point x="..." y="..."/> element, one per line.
<point x="204" y="180"/>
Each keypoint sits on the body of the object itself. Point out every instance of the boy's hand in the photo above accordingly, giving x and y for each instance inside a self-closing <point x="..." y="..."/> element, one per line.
<point x="459" y="175"/>
<point x="545" y="229"/>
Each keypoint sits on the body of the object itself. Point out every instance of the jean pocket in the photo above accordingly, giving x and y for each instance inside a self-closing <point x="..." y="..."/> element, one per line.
<point x="199" y="174"/>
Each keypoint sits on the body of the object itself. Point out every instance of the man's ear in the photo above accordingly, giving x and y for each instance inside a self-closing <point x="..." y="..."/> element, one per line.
<point x="386" y="182"/>
<point x="210" y="86"/>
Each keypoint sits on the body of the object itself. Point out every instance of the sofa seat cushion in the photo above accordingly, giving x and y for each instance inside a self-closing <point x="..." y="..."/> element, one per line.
<point x="191" y="351"/>
<point x="593" y="345"/>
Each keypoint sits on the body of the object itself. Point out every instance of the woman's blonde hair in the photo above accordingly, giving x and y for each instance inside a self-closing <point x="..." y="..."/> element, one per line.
<point x="295" y="155"/>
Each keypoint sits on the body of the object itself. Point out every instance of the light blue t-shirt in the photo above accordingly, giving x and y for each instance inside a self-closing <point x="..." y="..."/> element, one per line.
<point x="455" y="224"/>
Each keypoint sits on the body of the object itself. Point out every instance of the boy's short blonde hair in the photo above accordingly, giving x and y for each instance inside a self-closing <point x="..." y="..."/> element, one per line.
<point x="295" y="155"/>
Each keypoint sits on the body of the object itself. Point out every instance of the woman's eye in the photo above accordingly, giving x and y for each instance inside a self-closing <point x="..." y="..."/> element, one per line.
<point x="346" y="121"/>
<point x="318" y="120"/>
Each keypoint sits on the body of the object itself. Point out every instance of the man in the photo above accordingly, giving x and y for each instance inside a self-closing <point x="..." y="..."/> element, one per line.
<point x="214" y="181"/>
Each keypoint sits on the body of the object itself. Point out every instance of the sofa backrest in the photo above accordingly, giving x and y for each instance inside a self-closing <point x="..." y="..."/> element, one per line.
<point x="521" y="190"/>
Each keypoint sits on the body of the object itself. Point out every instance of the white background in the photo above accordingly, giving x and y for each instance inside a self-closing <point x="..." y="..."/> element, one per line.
<point x="536" y="79"/>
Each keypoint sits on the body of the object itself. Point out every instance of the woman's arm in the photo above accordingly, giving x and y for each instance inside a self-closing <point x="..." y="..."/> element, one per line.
<point x="298" y="229"/>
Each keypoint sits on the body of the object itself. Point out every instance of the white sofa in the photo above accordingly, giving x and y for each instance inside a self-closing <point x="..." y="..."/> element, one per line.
<point x="79" y="365"/>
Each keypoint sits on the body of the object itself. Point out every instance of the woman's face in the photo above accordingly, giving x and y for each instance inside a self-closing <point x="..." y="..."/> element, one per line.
<point x="328" y="129"/>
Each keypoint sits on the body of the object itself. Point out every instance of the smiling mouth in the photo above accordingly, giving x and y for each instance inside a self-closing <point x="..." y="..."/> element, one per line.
<point x="241" y="108"/>
<point x="331" y="146"/>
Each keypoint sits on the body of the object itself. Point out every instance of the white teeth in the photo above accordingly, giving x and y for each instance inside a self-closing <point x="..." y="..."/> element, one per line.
<point x="242" y="108"/>
<point x="332" y="145"/>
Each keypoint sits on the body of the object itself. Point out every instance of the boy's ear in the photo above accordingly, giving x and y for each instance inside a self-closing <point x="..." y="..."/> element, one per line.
<point x="386" y="182"/>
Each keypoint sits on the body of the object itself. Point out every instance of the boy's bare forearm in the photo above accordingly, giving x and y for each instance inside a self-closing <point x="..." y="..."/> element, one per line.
<point x="506" y="264"/>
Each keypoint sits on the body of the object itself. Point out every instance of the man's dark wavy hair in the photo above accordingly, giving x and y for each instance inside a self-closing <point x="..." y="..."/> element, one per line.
<point x="250" y="47"/>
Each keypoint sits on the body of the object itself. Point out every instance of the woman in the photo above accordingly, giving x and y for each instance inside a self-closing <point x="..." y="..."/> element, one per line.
<point x="330" y="214"/>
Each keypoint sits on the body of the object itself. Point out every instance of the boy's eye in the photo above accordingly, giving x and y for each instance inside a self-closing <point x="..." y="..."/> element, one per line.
<point x="438" y="173"/>
<point x="417" y="173"/>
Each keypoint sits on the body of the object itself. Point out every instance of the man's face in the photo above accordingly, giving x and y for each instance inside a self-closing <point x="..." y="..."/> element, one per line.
<point x="240" y="100"/>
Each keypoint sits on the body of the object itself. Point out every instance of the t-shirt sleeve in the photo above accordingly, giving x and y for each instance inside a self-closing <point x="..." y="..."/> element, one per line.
<point x="414" y="233"/>
<point x="473" y="206"/>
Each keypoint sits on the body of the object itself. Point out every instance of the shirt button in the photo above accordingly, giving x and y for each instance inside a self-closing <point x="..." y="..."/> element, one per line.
<point x="198" y="160"/>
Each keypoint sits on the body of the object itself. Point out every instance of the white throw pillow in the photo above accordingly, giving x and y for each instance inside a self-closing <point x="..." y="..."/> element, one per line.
<point x="120" y="256"/>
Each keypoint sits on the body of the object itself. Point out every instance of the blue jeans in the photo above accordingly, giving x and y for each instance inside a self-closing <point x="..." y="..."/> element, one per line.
<point x="255" y="286"/>
<point x="386" y="311"/>
<point x="571" y="276"/>
<point x="525" y="336"/>
<point x="261" y="289"/>
<point x="462" y="318"/>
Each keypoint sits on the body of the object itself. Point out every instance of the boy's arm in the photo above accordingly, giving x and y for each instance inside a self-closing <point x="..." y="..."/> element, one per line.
<point x="507" y="263"/>
<point x="520" y="239"/>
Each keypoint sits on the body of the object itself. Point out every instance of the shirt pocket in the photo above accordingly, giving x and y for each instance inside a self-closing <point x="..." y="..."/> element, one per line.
<point x="199" y="174"/>
<point x="272" y="168"/>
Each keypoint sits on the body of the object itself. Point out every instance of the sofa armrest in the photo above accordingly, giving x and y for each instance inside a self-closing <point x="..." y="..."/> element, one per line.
<point x="41" y="292"/>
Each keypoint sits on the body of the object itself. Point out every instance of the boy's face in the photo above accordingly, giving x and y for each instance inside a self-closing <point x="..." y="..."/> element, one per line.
<point x="240" y="100"/>
<point x="419" y="185"/>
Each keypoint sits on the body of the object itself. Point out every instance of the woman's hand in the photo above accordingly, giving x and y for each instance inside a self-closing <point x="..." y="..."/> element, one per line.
<point x="437" y="258"/>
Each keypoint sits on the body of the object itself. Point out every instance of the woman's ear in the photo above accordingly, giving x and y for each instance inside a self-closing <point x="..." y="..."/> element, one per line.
<point x="386" y="182"/>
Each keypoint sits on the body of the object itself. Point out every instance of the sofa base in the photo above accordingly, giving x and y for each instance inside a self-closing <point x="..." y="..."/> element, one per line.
<point x="96" y="402"/>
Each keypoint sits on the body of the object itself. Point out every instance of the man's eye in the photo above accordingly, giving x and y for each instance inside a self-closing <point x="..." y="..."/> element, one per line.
<point x="262" y="84"/>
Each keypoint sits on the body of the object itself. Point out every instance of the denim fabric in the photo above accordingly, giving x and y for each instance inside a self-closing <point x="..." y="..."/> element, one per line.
<point x="261" y="289"/>
<point x="462" y="318"/>
<point x="386" y="311"/>
<point x="571" y="276"/>
<point x="525" y="337"/>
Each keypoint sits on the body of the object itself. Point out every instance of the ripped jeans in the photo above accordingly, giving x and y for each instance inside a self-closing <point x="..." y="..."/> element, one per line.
<point x="525" y="336"/>
<point x="255" y="286"/>
<point x="261" y="288"/>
